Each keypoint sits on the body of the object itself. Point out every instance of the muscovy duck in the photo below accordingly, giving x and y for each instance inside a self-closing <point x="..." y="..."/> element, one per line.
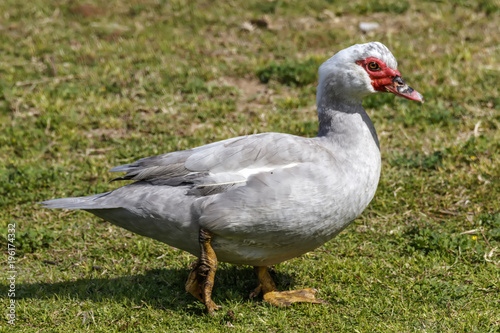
<point x="262" y="199"/>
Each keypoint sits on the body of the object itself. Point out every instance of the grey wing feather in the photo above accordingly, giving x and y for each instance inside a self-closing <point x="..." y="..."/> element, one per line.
<point x="162" y="167"/>
<point x="219" y="166"/>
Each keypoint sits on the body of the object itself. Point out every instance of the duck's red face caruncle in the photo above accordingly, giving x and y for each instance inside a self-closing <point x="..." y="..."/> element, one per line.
<point x="388" y="79"/>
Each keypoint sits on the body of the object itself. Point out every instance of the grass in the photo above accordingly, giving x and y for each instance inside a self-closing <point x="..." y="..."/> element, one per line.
<point x="88" y="86"/>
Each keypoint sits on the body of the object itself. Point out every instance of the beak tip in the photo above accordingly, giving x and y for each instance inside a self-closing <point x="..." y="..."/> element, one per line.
<point x="420" y="97"/>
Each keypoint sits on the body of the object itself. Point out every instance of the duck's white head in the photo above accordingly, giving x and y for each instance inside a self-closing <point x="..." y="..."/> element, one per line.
<point x="361" y="70"/>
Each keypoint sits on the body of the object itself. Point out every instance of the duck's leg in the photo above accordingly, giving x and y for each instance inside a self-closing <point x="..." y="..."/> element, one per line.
<point x="282" y="298"/>
<point x="201" y="279"/>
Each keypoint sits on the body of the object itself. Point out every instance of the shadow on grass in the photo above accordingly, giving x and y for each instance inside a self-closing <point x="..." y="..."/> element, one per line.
<point x="158" y="288"/>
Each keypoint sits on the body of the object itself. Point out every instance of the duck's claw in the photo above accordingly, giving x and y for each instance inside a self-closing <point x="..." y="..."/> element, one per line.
<point x="212" y="307"/>
<point x="256" y="292"/>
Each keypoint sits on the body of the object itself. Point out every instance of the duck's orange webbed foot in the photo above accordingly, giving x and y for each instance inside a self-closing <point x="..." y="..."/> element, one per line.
<point x="282" y="298"/>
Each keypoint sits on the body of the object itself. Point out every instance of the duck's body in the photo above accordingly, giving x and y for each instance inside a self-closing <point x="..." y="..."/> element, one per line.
<point x="262" y="198"/>
<point x="261" y="220"/>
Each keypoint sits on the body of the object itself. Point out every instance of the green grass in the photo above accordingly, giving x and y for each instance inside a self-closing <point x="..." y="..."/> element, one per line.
<point x="88" y="86"/>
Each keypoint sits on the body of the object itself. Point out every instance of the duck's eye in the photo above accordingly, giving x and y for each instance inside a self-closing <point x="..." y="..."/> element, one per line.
<point x="373" y="66"/>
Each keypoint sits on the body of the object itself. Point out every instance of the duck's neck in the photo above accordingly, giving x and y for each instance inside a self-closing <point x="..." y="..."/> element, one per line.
<point x="344" y="121"/>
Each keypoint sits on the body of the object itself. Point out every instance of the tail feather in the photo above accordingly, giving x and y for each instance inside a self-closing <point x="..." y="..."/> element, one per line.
<point x="89" y="202"/>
